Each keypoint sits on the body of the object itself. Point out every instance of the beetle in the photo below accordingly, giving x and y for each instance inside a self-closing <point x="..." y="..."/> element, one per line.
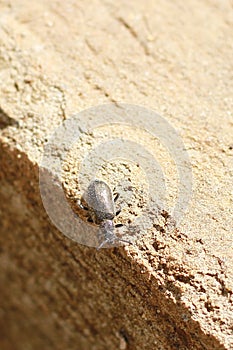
<point x="99" y="203"/>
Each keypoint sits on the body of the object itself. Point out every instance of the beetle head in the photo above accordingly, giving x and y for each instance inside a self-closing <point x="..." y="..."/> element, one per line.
<point x="107" y="229"/>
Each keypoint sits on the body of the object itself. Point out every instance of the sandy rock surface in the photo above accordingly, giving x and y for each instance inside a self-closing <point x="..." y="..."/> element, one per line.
<point x="174" y="288"/>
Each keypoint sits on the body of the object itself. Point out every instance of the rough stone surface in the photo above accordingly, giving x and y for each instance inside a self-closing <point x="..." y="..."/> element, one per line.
<point x="174" y="288"/>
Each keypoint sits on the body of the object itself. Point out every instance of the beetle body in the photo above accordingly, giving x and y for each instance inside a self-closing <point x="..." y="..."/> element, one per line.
<point x="99" y="202"/>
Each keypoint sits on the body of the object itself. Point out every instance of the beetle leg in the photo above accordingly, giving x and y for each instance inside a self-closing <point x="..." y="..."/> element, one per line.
<point x="80" y="205"/>
<point x="118" y="212"/>
<point x="116" y="197"/>
<point x="88" y="215"/>
<point x="90" y="220"/>
<point x="119" y="225"/>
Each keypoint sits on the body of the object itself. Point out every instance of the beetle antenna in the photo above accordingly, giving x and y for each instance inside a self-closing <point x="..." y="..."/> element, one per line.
<point x="102" y="244"/>
<point x="109" y="240"/>
<point x="125" y="241"/>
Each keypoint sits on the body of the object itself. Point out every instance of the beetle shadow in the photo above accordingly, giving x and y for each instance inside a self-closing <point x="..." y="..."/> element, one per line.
<point x="5" y="120"/>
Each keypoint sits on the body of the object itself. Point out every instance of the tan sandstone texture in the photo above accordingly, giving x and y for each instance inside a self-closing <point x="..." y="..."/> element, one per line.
<point x="173" y="288"/>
